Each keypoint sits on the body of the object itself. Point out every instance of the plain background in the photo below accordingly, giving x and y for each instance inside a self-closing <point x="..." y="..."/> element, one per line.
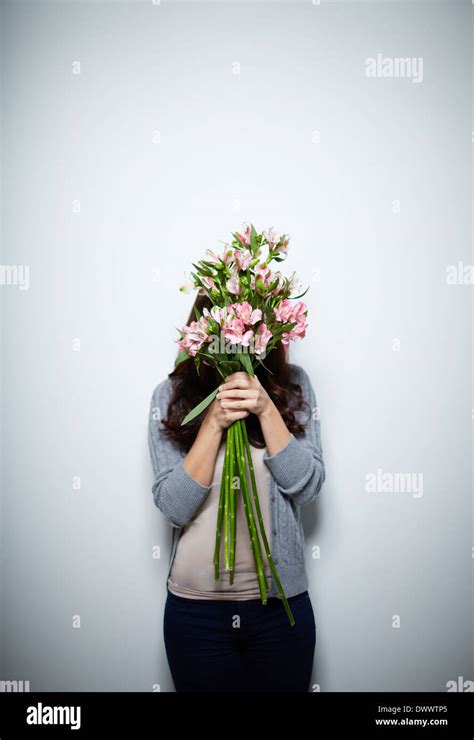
<point x="185" y="120"/>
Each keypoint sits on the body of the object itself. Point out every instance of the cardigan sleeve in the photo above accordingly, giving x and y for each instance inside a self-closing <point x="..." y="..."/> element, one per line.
<point x="175" y="492"/>
<point x="298" y="468"/>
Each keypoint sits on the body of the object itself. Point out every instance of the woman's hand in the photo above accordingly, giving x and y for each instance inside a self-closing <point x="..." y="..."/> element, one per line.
<point x="243" y="392"/>
<point x="220" y="416"/>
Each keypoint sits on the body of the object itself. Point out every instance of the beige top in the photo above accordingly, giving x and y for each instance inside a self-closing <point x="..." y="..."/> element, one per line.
<point x="192" y="572"/>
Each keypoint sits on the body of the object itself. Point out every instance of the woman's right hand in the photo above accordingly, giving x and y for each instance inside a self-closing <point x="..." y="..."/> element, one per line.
<point x="200" y="461"/>
<point x="222" y="418"/>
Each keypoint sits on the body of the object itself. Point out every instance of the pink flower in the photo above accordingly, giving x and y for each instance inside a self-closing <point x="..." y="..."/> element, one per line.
<point x="212" y="257"/>
<point x="242" y="258"/>
<point x="228" y="254"/>
<point x="263" y="277"/>
<point x="234" y="331"/>
<point x="208" y="282"/>
<point x="245" y="312"/>
<point x="244" y="238"/>
<point x="216" y="313"/>
<point x="233" y="284"/>
<point x="284" y="311"/>
<point x="280" y="285"/>
<point x="279" y="245"/>
<point x="299" y="311"/>
<point x="298" y="332"/>
<point x="282" y="248"/>
<point x="195" y="335"/>
<point x="288" y="312"/>
<point x="271" y="237"/>
<point x="294" y="285"/>
<point x="262" y="337"/>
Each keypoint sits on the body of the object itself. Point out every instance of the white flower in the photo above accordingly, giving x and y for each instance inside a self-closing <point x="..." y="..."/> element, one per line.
<point x="271" y="237"/>
<point x="188" y="286"/>
<point x="294" y="284"/>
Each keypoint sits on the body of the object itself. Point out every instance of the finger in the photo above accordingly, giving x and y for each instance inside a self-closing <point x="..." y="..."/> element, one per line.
<point x="235" y="393"/>
<point x="236" y="415"/>
<point x="238" y="374"/>
<point x="237" y="382"/>
<point x="233" y="404"/>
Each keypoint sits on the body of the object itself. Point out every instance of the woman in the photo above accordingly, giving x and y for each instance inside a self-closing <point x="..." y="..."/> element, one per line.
<point x="220" y="637"/>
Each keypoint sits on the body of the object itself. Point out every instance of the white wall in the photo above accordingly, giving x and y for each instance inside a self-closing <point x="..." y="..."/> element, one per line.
<point x="389" y="346"/>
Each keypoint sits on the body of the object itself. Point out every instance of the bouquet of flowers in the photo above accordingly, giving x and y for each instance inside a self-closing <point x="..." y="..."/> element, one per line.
<point x="253" y="308"/>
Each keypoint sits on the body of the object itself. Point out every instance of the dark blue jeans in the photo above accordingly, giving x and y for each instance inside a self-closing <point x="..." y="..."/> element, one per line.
<point x="239" y="646"/>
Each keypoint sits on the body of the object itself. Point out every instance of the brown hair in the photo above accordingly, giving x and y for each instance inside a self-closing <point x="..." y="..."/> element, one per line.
<point x="190" y="387"/>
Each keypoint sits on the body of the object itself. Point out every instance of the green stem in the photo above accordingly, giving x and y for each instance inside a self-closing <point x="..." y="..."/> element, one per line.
<point x="220" y="519"/>
<point x="220" y="372"/>
<point x="262" y="527"/>
<point x="233" y="508"/>
<point x="254" y="539"/>
<point x="225" y="475"/>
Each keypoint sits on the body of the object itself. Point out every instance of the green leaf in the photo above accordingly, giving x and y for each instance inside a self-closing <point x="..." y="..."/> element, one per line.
<point x="196" y="313"/>
<point x="294" y="297"/>
<point x="253" y="235"/>
<point x="246" y="362"/>
<point x="266" y="368"/>
<point x="287" y="327"/>
<point x="207" y="355"/>
<point x="230" y="366"/>
<point x="200" y="407"/>
<point x="201" y="268"/>
<point x="220" y="372"/>
<point x="182" y="355"/>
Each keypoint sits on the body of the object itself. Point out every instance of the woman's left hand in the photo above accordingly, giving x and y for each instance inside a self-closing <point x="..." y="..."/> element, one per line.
<point x="242" y="391"/>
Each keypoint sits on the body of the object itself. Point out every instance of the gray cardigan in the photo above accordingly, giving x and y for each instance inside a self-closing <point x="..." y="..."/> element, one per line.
<point x="297" y="474"/>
